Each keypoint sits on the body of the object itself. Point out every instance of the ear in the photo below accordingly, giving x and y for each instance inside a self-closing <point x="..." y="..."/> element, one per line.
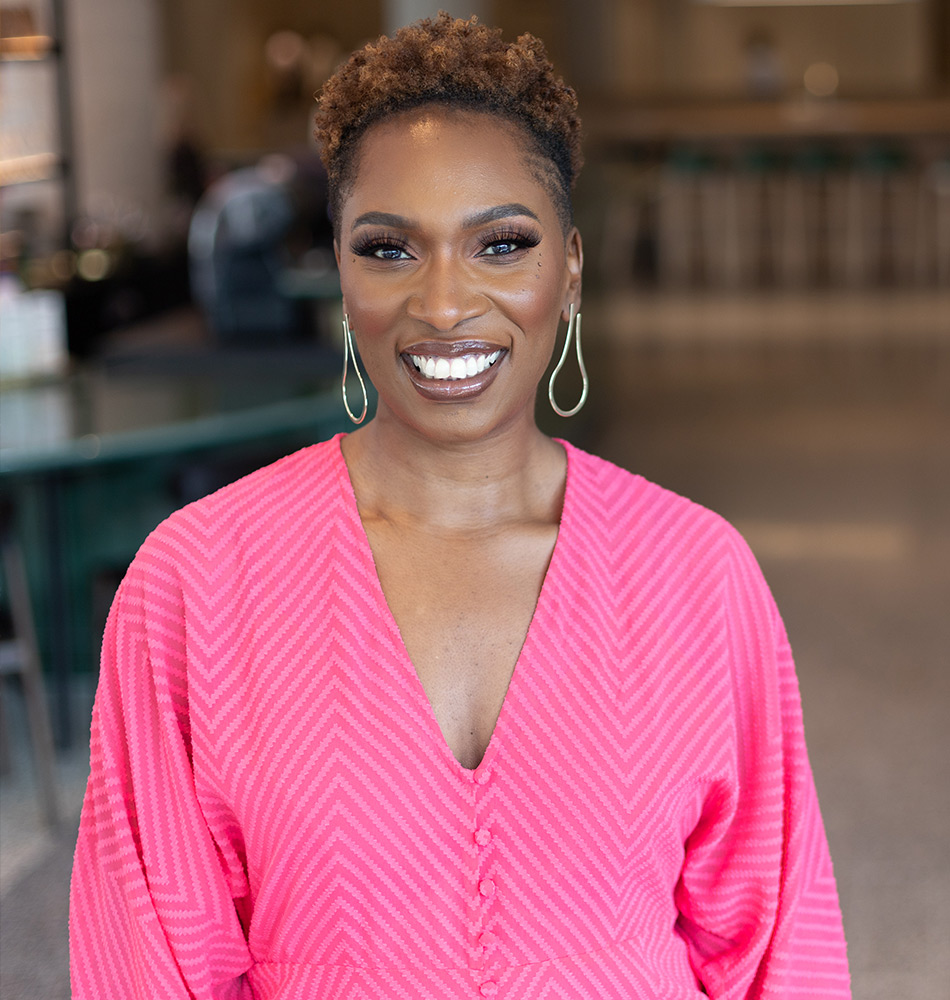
<point x="573" y="268"/>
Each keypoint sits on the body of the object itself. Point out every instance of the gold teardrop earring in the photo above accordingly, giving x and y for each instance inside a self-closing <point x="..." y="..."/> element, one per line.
<point x="348" y="353"/>
<point x="573" y="331"/>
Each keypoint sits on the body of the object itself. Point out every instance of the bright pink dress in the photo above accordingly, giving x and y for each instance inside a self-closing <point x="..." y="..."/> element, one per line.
<point x="274" y="813"/>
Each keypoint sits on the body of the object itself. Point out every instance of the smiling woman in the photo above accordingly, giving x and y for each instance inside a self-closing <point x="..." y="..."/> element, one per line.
<point x="451" y="251"/>
<point x="444" y="708"/>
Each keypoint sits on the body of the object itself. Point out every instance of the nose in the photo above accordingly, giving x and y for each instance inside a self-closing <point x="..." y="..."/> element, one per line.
<point x="444" y="296"/>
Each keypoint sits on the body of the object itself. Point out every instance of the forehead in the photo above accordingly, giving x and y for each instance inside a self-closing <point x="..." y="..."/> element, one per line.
<point x="453" y="158"/>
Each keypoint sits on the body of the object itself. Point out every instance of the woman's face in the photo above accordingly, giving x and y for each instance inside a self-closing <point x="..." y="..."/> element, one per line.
<point x="455" y="271"/>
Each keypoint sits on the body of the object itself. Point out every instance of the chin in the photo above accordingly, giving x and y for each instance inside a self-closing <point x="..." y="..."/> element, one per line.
<point x="458" y="423"/>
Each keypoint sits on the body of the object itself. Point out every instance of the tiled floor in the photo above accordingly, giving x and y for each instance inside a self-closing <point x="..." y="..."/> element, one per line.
<point x="832" y="451"/>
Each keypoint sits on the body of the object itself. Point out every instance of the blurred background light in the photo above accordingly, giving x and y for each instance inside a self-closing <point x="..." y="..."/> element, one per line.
<point x="821" y="79"/>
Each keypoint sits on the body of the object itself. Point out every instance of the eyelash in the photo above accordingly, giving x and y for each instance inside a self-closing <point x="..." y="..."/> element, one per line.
<point x="520" y="239"/>
<point x="367" y="246"/>
<point x="370" y="245"/>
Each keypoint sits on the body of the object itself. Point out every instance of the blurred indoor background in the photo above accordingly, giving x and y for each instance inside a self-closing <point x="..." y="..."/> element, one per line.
<point x="766" y="216"/>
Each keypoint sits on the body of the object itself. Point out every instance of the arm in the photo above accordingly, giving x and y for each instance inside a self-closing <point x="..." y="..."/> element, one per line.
<point x="757" y="895"/>
<point x="153" y="898"/>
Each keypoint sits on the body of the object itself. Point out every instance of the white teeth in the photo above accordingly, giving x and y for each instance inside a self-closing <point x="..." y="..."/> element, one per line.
<point x="455" y="368"/>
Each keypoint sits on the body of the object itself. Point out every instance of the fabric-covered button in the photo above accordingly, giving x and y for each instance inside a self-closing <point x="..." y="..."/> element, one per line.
<point x="481" y="777"/>
<point x="486" y="887"/>
<point x="486" y="939"/>
<point x="489" y="988"/>
<point x="482" y="836"/>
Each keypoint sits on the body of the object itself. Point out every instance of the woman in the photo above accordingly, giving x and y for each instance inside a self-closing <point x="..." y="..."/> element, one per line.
<point x="444" y="708"/>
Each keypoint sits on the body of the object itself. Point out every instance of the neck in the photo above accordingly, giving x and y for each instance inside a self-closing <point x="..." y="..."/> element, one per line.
<point x="400" y="475"/>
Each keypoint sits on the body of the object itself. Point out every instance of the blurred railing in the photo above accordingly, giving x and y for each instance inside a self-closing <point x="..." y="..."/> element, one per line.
<point x="730" y="201"/>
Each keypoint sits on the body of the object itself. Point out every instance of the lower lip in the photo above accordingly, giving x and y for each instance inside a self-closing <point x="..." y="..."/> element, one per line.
<point x="452" y="390"/>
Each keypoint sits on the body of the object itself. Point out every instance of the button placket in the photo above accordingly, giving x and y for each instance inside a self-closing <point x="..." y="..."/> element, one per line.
<point x="486" y="888"/>
<point x="482" y="837"/>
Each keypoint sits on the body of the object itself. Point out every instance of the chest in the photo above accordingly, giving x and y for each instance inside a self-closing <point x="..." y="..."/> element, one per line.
<point x="463" y="608"/>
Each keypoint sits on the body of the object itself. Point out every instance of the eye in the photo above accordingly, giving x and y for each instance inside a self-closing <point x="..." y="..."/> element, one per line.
<point x="501" y="248"/>
<point x="388" y="253"/>
<point x="381" y="248"/>
<point x="507" y="243"/>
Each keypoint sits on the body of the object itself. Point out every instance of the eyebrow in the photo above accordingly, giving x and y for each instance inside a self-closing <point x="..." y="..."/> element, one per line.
<point x="469" y="222"/>
<point x="498" y="212"/>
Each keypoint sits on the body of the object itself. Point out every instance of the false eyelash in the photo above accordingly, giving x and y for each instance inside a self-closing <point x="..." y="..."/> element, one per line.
<point x="364" y="246"/>
<point x="523" y="238"/>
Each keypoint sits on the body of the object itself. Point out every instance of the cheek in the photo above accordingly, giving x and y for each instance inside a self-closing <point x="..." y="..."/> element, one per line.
<point x="372" y="309"/>
<point x="537" y="296"/>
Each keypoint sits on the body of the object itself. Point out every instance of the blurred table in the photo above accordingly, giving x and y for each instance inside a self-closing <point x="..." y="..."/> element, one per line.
<point x="94" y="461"/>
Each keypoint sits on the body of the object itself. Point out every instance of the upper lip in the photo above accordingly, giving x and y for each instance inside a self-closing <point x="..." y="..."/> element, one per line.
<point x="451" y="348"/>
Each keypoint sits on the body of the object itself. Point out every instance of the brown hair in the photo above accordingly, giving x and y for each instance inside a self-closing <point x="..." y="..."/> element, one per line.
<point x="460" y="64"/>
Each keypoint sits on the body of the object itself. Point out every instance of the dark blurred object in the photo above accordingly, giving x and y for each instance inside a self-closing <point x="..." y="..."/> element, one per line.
<point x="764" y="76"/>
<point x="186" y="171"/>
<point x="128" y="286"/>
<point x="237" y="251"/>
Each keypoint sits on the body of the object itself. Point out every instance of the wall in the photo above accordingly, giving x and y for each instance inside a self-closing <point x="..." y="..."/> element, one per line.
<point x="115" y="69"/>
<point x="400" y="12"/>
<point x="643" y="49"/>
<point x="683" y="48"/>
<point x="215" y="48"/>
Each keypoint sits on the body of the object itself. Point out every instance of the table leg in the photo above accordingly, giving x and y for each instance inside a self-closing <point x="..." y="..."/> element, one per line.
<point x="60" y="611"/>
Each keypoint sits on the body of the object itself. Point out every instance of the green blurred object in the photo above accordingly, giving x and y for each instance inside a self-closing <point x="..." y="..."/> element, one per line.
<point x="86" y="497"/>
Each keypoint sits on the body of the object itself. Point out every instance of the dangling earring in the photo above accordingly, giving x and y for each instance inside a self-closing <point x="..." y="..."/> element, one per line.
<point x="349" y="352"/>
<point x="571" y="332"/>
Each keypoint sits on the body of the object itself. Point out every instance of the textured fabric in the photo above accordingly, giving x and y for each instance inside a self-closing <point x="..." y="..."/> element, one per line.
<point x="273" y="811"/>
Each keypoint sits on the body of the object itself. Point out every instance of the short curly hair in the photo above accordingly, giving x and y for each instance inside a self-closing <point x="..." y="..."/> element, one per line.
<point x="459" y="64"/>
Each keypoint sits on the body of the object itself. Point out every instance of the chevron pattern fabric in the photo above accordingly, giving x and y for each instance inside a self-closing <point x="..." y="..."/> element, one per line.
<point x="273" y="812"/>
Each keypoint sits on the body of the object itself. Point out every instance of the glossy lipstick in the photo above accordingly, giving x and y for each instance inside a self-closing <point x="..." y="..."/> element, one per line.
<point x="450" y="371"/>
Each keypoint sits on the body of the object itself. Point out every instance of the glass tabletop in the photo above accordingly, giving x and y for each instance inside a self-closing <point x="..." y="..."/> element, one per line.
<point x="146" y="405"/>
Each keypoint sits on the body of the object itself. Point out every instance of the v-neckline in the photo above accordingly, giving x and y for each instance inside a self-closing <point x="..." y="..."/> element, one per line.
<point x="543" y="610"/>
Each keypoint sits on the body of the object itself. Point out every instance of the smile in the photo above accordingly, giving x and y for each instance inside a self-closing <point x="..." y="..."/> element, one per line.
<point x="454" y="369"/>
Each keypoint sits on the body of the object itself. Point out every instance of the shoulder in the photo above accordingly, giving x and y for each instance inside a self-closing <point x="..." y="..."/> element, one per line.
<point x="621" y="502"/>
<point x="656" y="556"/>
<point x="271" y="502"/>
<point x="621" y="528"/>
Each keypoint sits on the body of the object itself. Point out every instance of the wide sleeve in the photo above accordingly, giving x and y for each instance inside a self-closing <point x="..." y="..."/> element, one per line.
<point x="757" y="896"/>
<point x="155" y="899"/>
